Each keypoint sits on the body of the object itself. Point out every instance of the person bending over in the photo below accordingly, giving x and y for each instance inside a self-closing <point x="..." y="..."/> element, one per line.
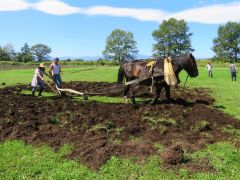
<point x="37" y="80"/>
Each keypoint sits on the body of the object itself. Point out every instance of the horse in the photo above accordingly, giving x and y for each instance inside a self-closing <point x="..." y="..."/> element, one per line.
<point x="138" y="69"/>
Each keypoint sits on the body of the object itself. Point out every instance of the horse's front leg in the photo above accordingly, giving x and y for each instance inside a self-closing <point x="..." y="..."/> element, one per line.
<point x="157" y="91"/>
<point x="168" y="95"/>
<point x="178" y="82"/>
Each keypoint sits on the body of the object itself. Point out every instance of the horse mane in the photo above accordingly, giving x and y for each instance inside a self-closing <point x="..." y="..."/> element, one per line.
<point x="136" y="60"/>
<point x="182" y="59"/>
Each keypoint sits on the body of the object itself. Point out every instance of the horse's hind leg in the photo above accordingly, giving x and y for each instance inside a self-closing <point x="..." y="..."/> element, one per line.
<point x="125" y="93"/>
<point x="129" y="92"/>
<point x="157" y="91"/>
<point x="132" y="97"/>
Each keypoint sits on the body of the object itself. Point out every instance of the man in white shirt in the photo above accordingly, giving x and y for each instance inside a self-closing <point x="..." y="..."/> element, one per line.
<point x="233" y="70"/>
<point x="55" y="72"/>
<point x="209" y="68"/>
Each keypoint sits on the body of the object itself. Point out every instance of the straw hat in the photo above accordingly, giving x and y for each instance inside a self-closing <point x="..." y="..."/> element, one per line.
<point x="41" y="65"/>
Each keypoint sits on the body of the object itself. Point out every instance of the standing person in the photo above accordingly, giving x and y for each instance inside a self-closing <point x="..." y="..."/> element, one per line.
<point x="38" y="80"/>
<point x="55" y="72"/>
<point x="233" y="70"/>
<point x="210" y="69"/>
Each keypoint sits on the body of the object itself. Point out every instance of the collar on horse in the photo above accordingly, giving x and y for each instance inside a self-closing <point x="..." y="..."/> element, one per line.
<point x="169" y="75"/>
<point x="151" y="65"/>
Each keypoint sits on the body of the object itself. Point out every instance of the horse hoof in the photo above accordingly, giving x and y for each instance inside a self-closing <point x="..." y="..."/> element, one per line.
<point x="85" y="97"/>
<point x="153" y="102"/>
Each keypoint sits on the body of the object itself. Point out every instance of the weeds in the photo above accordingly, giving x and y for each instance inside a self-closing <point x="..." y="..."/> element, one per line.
<point x="201" y="126"/>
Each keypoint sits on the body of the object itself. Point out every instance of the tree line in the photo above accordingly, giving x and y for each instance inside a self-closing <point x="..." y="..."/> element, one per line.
<point x="37" y="52"/>
<point x="172" y="38"/>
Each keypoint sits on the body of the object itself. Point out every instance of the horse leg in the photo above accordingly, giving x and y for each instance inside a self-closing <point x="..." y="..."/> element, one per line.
<point x="157" y="91"/>
<point x="132" y="96"/>
<point x="125" y="93"/>
<point x="167" y="89"/>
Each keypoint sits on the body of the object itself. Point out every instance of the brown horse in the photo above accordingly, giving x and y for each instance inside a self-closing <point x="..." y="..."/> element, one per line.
<point x="138" y="69"/>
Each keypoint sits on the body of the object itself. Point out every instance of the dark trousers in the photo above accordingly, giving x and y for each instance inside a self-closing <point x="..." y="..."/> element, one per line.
<point x="210" y="74"/>
<point x="234" y="76"/>
<point x="57" y="80"/>
<point x="42" y="87"/>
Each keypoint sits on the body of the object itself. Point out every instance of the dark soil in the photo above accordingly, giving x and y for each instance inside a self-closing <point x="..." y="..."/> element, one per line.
<point x="98" y="131"/>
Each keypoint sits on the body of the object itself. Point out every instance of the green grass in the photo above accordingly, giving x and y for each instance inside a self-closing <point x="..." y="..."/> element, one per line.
<point x="43" y="163"/>
<point x="223" y="157"/>
<point x="225" y="92"/>
<point x="82" y="73"/>
<point x="19" y="161"/>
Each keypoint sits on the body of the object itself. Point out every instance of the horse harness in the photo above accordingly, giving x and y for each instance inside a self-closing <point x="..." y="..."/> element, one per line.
<point x="151" y="66"/>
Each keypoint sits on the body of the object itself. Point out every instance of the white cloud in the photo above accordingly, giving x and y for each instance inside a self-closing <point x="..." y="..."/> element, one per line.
<point x="55" y="7"/>
<point x="13" y="5"/>
<point x="214" y="14"/>
<point x="139" y="14"/>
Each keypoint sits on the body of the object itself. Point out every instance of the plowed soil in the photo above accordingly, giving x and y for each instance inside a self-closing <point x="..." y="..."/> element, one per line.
<point x="98" y="131"/>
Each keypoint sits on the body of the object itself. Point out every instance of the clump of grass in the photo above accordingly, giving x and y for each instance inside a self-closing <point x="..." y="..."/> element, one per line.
<point x="159" y="147"/>
<point x="153" y="121"/>
<point x="135" y="139"/>
<point x="54" y="120"/>
<point x="201" y="126"/>
<point x="231" y="130"/>
<point x="98" y="127"/>
<point x="117" y="141"/>
<point x="109" y="124"/>
<point x="168" y="122"/>
<point x="118" y="131"/>
<point x="162" y="129"/>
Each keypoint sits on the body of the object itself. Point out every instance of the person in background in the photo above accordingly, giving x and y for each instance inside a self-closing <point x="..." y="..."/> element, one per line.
<point x="55" y="72"/>
<point x="233" y="71"/>
<point x="210" y="69"/>
<point x="38" y="80"/>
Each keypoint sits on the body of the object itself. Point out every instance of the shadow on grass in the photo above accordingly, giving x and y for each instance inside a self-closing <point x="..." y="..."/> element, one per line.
<point x="219" y="107"/>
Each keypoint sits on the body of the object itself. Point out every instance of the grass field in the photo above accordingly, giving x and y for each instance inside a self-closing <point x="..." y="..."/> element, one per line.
<point x="21" y="161"/>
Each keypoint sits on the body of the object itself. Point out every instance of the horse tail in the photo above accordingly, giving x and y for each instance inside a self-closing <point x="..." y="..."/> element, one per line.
<point x="120" y="75"/>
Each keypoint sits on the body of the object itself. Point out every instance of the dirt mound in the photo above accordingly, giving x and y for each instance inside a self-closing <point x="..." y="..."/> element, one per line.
<point x="173" y="155"/>
<point x="98" y="131"/>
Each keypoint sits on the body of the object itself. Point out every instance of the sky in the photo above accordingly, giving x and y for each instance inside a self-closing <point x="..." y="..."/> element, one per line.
<point x="80" y="27"/>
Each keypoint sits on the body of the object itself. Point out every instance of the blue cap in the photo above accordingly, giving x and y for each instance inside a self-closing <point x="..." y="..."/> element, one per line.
<point x="56" y="59"/>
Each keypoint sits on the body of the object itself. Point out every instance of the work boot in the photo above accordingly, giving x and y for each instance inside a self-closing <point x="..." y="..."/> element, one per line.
<point x="40" y="93"/>
<point x="33" y="93"/>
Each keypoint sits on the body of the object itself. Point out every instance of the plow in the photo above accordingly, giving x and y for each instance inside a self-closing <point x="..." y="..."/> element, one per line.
<point x="63" y="91"/>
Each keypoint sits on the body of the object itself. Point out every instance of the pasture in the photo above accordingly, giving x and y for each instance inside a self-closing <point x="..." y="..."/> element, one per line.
<point x="104" y="138"/>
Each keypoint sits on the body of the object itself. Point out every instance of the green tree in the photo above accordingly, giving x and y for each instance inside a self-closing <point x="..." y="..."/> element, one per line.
<point x="172" y="38"/>
<point x="4" y="56"/>
<point x="8" y="52"/>
<point x="41" y="52"/>
<point x="25" y="55"/>
<point x="120" y="46"/>
<point x="227" y="44"/>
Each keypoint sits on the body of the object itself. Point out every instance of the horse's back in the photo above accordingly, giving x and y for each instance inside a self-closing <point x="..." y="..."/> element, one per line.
<point x="135" y="68"/>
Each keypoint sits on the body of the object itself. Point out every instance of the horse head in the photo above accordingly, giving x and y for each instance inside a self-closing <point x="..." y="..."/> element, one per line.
<point x="190" y="65"/>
